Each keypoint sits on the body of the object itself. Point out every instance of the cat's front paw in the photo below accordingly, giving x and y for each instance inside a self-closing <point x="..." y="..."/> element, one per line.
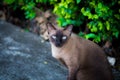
<point x="69" y="78"/>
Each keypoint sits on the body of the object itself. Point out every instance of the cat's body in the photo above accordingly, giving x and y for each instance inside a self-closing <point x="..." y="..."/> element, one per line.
<point x="84" y="59"/>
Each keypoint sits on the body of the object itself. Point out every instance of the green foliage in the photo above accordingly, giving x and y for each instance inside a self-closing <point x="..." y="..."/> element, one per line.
<point x="102" y="21"/>
<point x="100" y="17"/>
<point x="9" y="1"/>
<point x="29" y="12"/>
<point x="26" y="5"/>
<point x="66" y="10"/>
<point x="41" y="1"/>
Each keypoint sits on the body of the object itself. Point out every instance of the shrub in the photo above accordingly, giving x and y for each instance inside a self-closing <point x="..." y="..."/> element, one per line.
<point x="100" y="17"/>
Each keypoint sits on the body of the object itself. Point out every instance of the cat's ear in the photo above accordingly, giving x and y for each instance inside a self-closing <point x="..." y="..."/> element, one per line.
<point x="69" y="28"/>
<point x="50" y="27"/>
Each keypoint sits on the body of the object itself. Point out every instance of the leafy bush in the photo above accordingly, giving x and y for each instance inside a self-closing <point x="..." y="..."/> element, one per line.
<point x="26" y="5"/>
<point x="103" y="22"/>
<point x="100" y="17"/>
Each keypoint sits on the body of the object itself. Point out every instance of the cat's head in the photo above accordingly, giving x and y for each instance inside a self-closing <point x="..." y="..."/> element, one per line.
<point x="58" y="36"/>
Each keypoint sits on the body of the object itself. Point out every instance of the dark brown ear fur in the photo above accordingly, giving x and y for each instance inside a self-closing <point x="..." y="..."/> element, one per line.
<point x="69" y="29"/>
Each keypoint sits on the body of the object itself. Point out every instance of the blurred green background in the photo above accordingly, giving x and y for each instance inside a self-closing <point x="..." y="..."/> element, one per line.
<point x="97" y="20"/>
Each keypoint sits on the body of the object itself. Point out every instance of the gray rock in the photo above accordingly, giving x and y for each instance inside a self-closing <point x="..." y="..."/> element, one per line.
<point x="23" y="56"/>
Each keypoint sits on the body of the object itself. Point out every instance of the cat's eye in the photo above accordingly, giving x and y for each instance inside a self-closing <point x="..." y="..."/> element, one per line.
<point x="64" y="37"/>
<point x="54" y="37"/>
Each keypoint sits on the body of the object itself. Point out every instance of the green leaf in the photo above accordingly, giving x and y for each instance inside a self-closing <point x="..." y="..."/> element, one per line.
<point x="117" y="16"/>
<point x="107" y="25"/>
<point x="26" y="30"/>
<point x="20" y="2"/>
<point x="78" y="1"/>
<point x="9" y="1"/>
<point x="83" y="10"/>
<point x="81" y="34"/>
<point x="69" y="21"/>
<point x="60" y="21"/>
<point x="90" y="16"/>
<point x="90" y="35"/>
<point x="64" y="24"/>
<point x="100" y="26"/>
<point x="95" y="16"/>
<point x="100" y="5"/>
<point x="94" y="28"/>
<point x="97" y="39"/>
<point x="37" y="1"/>
<point x="116" y="34"/>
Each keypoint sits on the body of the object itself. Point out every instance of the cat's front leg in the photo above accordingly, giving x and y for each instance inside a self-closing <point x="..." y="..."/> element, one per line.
<point x="72" y="73"/>
<point x="63" y="62"/>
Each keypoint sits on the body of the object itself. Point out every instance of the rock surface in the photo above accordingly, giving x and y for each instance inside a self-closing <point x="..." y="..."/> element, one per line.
<point x="23" y="56"/>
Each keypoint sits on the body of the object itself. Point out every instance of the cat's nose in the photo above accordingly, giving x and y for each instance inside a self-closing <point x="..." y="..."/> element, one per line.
<point x="58" y="44"/>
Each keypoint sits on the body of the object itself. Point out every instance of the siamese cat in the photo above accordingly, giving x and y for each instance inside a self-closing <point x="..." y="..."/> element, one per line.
<point x="84" y="59"/>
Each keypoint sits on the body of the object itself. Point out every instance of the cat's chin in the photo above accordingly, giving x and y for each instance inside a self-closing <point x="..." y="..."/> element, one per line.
<point x="58" y="46"/>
